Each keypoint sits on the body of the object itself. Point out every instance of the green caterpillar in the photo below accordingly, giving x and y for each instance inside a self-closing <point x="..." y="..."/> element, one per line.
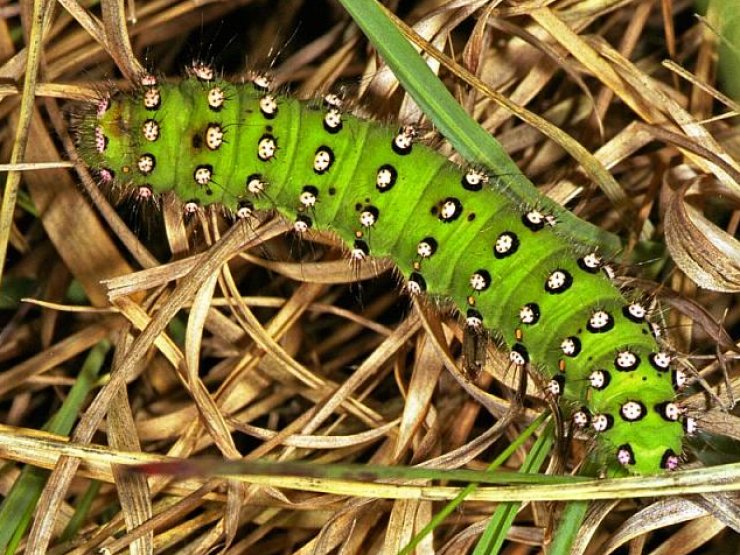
<point x="453" y="233"/>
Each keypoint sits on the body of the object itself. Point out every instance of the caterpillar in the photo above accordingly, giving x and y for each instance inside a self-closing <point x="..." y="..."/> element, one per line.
<point x="453" y="232"/>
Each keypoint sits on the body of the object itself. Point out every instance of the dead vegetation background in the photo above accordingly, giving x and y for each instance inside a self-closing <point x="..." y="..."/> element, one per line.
<point x="288" y="353"/>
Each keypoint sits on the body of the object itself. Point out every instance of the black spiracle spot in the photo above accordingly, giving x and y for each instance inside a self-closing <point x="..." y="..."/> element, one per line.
<point x="304" y="220"/>
<point x="361" y="246"/>
<point x="533" y="220"/>
<point x="506" y="244"/>
<point x="626" y="361"/>
<point x="600" y="322"/>
<point x="473" y="181"/>
<point x="480" y="280"/>
<point x="369" y="216"/>
<point x="449" y="210"/>
<point x="571" y="346"/>
<point x="520" y="350"/>
<point x="474" y="315"/>
<point x="323" y="159"/>
<point x="557" y="385"/>
<point x="427" y="247"/>
<point x="625" y="454"/>
<point x="385" y="178"/>
<point x="669" y="460"/>
<point x="529" y="314"/>
<point x="558" y="282"/>
<point x="419" y="280"/>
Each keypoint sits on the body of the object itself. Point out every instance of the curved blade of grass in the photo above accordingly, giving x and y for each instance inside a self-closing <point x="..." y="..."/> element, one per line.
<point x="729" y="50"/>
<point x="469" y="139"/>
<point x="568" y="527"/>
<point x="18" y="507"/>
<point x="82" y="508"/>
<point x="47" y="450"/>
<point x="495" y="533"/>
<point x="438" y="518"/>
<point x="10" y="194"/>
<point x="210" y="467"/>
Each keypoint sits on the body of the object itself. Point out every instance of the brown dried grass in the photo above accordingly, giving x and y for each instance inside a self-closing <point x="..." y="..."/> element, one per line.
<point x="293" y="359"/>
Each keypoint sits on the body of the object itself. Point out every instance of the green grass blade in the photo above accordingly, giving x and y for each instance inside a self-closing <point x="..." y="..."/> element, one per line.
<point x="469" y="138"/>
<point x="495" y="533"/>
<point x="568" y="527"/>
<point x="208" y="467"/>
<point x="454" y="503"/>
<point x="18" y="507"/>
<point x="61" y="423"/>
<point x="82" y="509"/>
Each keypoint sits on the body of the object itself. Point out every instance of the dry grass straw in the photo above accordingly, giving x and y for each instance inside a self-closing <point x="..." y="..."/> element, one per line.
<point x="273" y="356"/>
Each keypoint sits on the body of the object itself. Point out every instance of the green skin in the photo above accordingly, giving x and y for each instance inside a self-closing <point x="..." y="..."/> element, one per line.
<point x="405" y="214"/>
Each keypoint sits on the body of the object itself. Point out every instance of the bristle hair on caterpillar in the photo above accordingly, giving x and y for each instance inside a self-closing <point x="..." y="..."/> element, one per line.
<point x="453" y="232"/>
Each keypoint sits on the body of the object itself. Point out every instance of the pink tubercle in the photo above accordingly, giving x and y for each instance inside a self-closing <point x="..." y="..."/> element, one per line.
<point x="106" y="176"/>
<point x="148" y="80"/>
<point x="671" y="463"/>
<point x="103" y="105"/>
<point x="624" y="457"/>
<point x="99" y="139"/>
<point x="203" y="71"/>
<point x="144" y="192"/>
